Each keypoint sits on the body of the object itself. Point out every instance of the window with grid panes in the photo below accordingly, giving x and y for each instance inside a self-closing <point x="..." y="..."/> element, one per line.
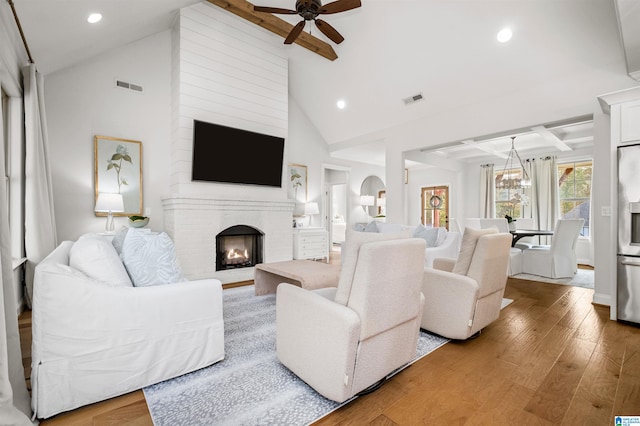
<point x="574" y="183"/>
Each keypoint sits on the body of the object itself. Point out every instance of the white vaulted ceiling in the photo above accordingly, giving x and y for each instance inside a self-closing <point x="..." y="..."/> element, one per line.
<point x="444" y="49"/>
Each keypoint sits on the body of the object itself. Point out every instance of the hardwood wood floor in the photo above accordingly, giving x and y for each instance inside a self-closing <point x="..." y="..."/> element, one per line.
<point x="552" y="358"/>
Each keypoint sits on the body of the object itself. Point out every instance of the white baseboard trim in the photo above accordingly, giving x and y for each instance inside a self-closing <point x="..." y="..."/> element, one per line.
<point x="602" y="299"/>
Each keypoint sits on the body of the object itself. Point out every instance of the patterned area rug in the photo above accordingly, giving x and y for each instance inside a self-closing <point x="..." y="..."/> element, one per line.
<point x="250" y="386"/>
<point x="583" y="278"/>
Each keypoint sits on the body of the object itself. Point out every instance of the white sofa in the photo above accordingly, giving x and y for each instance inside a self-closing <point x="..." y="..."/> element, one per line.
<point x="94" y="340"/>
<point x="448" y="249"/>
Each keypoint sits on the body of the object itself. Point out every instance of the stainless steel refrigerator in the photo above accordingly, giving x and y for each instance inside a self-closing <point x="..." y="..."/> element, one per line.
<point x="629" y="233"/>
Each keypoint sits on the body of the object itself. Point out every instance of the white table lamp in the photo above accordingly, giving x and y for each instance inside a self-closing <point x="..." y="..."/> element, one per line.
<point x="367" y="201"/>
<point x="310" y="209"/>
<point x="111" y="203"/>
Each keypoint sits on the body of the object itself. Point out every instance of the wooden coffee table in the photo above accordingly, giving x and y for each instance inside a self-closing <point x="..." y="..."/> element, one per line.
<point x="307" y="274"/>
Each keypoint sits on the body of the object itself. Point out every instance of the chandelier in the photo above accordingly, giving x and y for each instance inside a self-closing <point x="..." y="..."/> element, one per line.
<point x="511" y="180"/>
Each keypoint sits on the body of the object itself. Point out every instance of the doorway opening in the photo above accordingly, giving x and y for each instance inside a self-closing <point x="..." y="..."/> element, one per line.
<point x="336" y="195"/>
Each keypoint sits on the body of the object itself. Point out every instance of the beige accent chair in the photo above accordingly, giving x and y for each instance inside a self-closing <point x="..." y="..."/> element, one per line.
<point x="344" y="340"/>
<point x="559" y="259"/>
<point x="515" y="253"/>
<point x="464" y="296"/>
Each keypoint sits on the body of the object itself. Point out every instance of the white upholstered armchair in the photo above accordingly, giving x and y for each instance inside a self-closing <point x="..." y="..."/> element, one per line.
<point x="465" y="295"/>
<point x="343" y="340"/>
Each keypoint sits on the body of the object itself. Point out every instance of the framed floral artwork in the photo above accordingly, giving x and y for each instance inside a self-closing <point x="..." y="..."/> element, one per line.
<point x="297" y="183"/>
<point x="118" y="170"/>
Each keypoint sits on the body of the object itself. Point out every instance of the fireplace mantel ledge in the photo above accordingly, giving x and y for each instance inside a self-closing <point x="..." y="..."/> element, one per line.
<point x="210" y="203"/>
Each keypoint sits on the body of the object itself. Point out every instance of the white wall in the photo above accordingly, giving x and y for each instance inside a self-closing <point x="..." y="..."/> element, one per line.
<point x="604" y="238"/>
<point x="82" y="101"/>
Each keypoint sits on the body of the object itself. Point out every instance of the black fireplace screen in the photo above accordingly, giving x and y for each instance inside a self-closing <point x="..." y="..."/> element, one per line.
<point x="238" y="247"/>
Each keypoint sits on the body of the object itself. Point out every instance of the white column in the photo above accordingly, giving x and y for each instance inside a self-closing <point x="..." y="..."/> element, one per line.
<point x="394" y="177"/>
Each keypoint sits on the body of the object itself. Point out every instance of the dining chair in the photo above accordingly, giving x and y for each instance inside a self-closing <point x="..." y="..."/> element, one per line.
<point x="557" y="260"/>
<point x="525" y="223"/>
<point x="471" y="222"/>
<point x="515" y="253"/>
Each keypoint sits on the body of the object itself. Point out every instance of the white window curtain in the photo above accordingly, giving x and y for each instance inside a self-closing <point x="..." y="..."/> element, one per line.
<point x="40" y="224"/>
<point x="487" y="192"/>
<point x="545" y="199"/>
<point x="14" y="398"/>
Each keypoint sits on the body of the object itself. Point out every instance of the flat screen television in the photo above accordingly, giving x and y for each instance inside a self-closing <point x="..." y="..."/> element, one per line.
<point x="225" y="154"/>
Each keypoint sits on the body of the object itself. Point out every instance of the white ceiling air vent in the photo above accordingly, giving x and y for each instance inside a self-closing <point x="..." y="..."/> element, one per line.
<point x="129" y="86"/>
<point x="412" y="99"/>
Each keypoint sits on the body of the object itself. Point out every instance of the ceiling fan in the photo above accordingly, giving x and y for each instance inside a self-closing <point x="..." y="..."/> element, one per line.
<point x="309" y="11"/>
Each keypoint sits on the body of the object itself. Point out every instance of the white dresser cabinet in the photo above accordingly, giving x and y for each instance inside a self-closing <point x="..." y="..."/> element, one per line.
<point x="310" y="243"/>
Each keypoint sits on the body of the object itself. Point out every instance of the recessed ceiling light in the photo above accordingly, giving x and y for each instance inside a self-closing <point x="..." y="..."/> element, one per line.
<point x="504" y="35"/>
<point x="341" y="104"/>
<point x="94" y="17"/>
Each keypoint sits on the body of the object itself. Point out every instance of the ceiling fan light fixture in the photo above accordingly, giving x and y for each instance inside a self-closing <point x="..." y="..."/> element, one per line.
<point x="504" y="35"/>
<point x="309" y="10"/>
<point x="94" y="18"/>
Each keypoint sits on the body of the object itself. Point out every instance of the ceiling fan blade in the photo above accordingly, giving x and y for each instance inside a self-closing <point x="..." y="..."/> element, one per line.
<point x="339" y="6"/>
<point x="267" y="9"/>
<point x="329" y="31"/>
<point x="295" y="32"/>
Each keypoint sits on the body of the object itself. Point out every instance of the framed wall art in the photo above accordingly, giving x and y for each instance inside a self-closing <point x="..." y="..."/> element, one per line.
<point x="297" y="183"/>
<point x="118" y="170"/>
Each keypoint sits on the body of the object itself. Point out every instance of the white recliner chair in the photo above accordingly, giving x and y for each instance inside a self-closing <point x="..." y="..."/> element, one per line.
<point x="559" y="259"/>
<point x="464" y="296"/>
<point x="343" y="340"/>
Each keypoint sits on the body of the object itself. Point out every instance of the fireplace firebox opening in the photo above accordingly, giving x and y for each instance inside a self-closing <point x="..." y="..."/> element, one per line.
<point x="239" y="246"/>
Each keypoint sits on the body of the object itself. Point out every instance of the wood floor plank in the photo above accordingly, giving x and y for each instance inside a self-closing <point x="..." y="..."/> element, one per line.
<point x="595" y="395"/>
<point x="554" y="395"/>
<point x="628" y="395"/>
<point x="536" y="358"/>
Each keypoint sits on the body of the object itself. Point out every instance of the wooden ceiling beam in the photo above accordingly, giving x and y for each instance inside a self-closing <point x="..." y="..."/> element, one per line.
<point x="244" y="9"/>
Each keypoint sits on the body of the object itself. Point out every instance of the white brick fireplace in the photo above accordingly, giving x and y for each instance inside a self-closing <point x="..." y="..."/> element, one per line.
<point x="224" y="71"/>
<point x="194" y="222"/>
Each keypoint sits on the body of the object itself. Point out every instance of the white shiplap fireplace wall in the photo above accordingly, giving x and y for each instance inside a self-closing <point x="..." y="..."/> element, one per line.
<point x="229" y="72"/>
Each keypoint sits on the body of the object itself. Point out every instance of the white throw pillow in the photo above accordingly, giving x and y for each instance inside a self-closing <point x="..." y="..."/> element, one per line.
<point x="95" y="256"/>
<point x="430" y="235"/>
<point x="371" y="227"/>
<point x="150" y="259"/>
<point x="442" y="236"/>
<point x="468" y="246"/>
<point x="118" y="239"/>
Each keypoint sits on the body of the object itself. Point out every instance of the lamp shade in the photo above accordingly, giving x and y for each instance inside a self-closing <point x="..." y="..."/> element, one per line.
<point x="108" y="202"/>
<point x="311" y="208"/>
<point x="367" y="200"/>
